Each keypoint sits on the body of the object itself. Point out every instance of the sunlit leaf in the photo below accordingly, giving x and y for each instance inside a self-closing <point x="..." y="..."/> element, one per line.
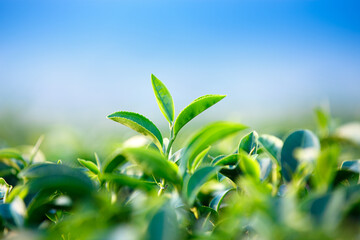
<point x="249" y="166"/>
<point x="140" y="124"/>
<point x="89" y="165"/>
<point x="163" y="98"/>
<point x="205" y="137"/>
<point x="195" y="108"/>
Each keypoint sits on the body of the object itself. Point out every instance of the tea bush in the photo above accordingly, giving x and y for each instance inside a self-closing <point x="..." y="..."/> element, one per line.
<point x="305" y="186"/>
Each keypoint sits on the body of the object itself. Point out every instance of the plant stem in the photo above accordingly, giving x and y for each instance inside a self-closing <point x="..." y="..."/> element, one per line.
<point x="171" y="141"/>
<point x="167" y="152"/>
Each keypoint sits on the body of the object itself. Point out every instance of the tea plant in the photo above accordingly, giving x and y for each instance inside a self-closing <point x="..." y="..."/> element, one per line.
<point x="305" y="187"/>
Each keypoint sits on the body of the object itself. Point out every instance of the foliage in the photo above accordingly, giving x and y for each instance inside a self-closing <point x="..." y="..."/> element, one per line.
<point x="305" y="186"/>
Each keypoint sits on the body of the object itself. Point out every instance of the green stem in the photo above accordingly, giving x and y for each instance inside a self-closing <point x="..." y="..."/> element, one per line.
<point x="171" y="141"/>
<point x="167" y="152"/>
<point x="162" y="187"/>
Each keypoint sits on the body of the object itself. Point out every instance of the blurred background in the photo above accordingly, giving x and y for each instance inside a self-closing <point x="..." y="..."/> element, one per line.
<point x="65" y="65"/>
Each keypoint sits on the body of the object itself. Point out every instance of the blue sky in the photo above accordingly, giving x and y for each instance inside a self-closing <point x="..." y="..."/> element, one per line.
<point x="66" y="60"/>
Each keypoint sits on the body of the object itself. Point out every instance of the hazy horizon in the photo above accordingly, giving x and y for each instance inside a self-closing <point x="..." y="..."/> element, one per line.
<point x="63" y="61"/>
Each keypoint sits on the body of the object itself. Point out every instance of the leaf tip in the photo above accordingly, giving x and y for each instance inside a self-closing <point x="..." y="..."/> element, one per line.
<point x="111" y="116"/>
<point x="153" y="78"/>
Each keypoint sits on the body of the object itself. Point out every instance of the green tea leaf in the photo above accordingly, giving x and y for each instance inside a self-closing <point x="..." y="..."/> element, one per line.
<point x="153" y="163"/>
<point x="10" y="153"/>
<point x="266" y="166"/>
<point x="140" y="124"/>
<point x="13" y="213"/>
<point x="112" y="162"/>
<point x="231" y="159"/>
<point x="249" y="143"/>
<point x="122" y="180"/>
<point x="353" y="166"/>
<point x="199" y="158"/>
<point x="5" y="189"/>
<point x="163" y="98"/>
<point x="205" y="137"/>
<point x="55" y="177"/>
<point x="177" y="155"/>
<point x="164" y="225"/>
<point x="195" y="108"/>
<point x="297" y="141"/>
<point x="272" y="145"/>
<point x="249" y="166"/>
<point x="89" y="165"/>
<point x="323" y="120"/>
<point x="217" y="202"/>
<point x="195" y="181"/>
<point x="229" y="166"/>
<point x="325" y="168"/>
<point x="18" y="191"/>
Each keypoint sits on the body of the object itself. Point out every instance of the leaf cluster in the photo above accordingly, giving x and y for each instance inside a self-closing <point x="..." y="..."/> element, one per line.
<point x="269" y="187"/>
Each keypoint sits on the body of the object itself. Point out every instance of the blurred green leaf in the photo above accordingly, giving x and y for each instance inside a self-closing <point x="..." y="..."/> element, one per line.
<point x="205" y="137"/>
<point x="199" y="158"/>
<point x="122" y="180"/>
<point x="298" y="140"/>
<point x="153" y="163"/>
<point x="249" y="166"/>
<point x="177" y="155"/>
<point x="10" y="153"/>
<point x="229" y="166"/>
<point x="5" y="189"/>
<point x="195" y="108"/>
<point x="272" y="145"/>
<point x="13" y="213"/>
<point x="89" y="165"/>
<point x="207" y="219"/>
<point x="325" y="168"/>
<point x="163" y="225"/>
<point x="217" y="202"/>
<point x="353" y="166"/>
<point x="249" y="143"/>
<point x="163" y="98"/>
<point x="266" y="166"/>
<point x="54" y="177"/>
<point x="323" y="120"/>
<point x="195" y="181"/>
<point x="140" y="124"/>
<point x="345" y="178"/>
<point x="115" y="160"/>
